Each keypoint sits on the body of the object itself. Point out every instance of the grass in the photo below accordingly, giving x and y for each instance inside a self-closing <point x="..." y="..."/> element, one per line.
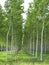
<point x="22" y="58"/>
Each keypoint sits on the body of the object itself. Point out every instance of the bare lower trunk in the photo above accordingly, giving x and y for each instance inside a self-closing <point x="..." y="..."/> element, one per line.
<point x="45" y="43"/>
<point x="45" y="48"/>
<point x="7" y="38"/>
<point x="30" y="44"/>
<point x="12" y="41"/>
<point x="33" y="44"/>
<point x="7" y="43"/>
<point x="37" y="44"/>
<point x="7" y="47"/>
<point x="41" y="57"/>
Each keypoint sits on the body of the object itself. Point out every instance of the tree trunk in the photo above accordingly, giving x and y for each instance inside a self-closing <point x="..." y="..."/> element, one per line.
<point x="37" y="44"/>
<point x="7" y="43"/>
<point x="37" y="40"/>
<point x="45" y="43"/>
<point x="12" y="41"/>
<point x="42" y="32"/>
<point x="30" y="44"/>
<point x="33" y="43"/>
<point x="7" y="47"/>
<point x="45" y="48"/>
<point x="7" y="37"/>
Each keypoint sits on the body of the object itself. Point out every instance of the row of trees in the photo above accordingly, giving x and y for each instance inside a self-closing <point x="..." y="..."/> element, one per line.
<point x="3" y="27"/>
<point x="36" y="31"/>
<point x="34" y="37"/>
<point x="11" y="26"/>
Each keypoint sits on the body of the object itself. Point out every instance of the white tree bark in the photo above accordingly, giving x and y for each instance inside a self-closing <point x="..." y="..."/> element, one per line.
<point x="42" y="32"/>
<point x="12" y="41"/>
<point x="30" y="44"/>
<point x="37" y="44"/>
<point x="33" y="43"/>
<point x="37" y="40"/>
<point x="7" y="47"/>
<point x="45" y="48"/>
<point x="7" y="42"/>
<point x="45" y="43"/>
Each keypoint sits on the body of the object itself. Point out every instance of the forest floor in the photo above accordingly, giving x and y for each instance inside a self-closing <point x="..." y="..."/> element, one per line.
<point x="22" y="58"/>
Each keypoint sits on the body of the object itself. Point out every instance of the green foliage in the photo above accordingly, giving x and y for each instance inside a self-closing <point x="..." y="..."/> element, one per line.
<point x="14" y="11"/>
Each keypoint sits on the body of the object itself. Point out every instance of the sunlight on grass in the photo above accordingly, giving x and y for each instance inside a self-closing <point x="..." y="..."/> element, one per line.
<point x="22" y="58"/>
